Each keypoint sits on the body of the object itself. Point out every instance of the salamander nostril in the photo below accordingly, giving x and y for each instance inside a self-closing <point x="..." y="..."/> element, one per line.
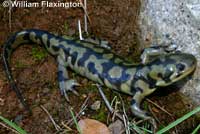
<point x="180" y="66"/>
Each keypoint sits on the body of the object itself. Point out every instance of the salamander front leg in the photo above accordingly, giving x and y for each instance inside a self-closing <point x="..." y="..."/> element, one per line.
<point x="66" y="84"/>
<point x="150" y="53"/>
<point x="135" y="106"/>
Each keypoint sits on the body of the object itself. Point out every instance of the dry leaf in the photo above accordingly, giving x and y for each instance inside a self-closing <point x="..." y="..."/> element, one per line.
<point x="90" y="126"/>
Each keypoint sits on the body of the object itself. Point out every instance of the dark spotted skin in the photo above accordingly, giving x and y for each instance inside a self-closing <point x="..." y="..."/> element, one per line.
<point x="102" y="66"/>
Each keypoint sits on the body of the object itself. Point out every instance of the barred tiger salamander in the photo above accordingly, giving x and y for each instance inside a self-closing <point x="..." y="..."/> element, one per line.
<point x="159" y="67"/>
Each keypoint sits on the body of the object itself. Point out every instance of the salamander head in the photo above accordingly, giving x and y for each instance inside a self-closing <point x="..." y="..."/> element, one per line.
<point x="171" y="68"/>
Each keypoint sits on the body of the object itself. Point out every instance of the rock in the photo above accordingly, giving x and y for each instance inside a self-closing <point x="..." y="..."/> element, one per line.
<point x="195" y="10"/>
<point x="117" y="127"/>
<point x="90" y="126"/>
<point x="96" y="105"/>
<point x="175" y="21"/>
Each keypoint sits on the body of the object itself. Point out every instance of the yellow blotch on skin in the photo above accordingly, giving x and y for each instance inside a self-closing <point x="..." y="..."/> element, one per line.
<point x="108" y="84"/>
<point x="19" y="39"/>
<point x="145" y="87"/>
<point x="98" y="50"/>
<point x="54" y="42"/>
<point x="115" y="72"/>
<point x="125" y="88"/>
<point x="118" y="60"/>
<point x="97" y="62"/>
<point x="32" y="37"/>
<point x="45" y="38"/>
<point x="108" y="56"/>
<point x="155" y="70"/>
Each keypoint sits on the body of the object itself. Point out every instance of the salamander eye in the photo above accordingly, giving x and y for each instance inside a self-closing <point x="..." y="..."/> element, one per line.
<point x="180" y="67"/>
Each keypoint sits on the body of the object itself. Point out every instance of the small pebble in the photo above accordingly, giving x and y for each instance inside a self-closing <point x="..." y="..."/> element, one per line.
<point x="84" y="95"/>
<point x="96" y="105"/>
<point x="117" y="127"/>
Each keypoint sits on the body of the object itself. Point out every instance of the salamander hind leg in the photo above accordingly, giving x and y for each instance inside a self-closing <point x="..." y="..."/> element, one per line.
<point x="65" y="84"/>
<point x="136" y="110"/>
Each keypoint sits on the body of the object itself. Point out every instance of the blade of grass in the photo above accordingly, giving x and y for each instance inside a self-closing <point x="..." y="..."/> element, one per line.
<point x="135" y="128"/>
<point x="8" y="128"/>
<point x="173" y="124"/>
<point x="146" y="130"/>
<point x="196" y="129"/>
<point x="140" y="130"/>
<point x="75" y="121"/>
<point x="13" y="125"/>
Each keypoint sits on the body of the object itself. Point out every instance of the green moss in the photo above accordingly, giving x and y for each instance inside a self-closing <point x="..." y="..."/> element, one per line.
<point x="38" y="54"/>
<point x="145" y="104"/>
<point x="101" y="115"/>
<point x="66" y="26"/>
<point x="20" y="64"/>
<point x="91" y="87"/>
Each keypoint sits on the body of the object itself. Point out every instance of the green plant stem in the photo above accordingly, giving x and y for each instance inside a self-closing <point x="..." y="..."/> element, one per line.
<point x="75" y="121"/>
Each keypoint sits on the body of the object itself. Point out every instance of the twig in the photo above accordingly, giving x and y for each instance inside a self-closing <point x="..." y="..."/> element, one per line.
<point x="162" y="110"/>
<point x="57" y="127"/>
<point x="107" y="102"/>
<point x="65" y="125"/>
<point x="83" y="107"/>
<point x="105" y="99"/>
<point x="125" y="124"/>
<point x="140" y="121"/>
<point x="159" y="107"/>
<point x="10" y="15"/>
<point x="85" y="16"/>
<point x="154" y="116"/>
<point x="114" y="98"/>
<point x="75" y="120"/>
<point x="115" y="111"/>
<point x="125" y="115"/>
<point x="85" y="11"/>
<point x="65" y="131"/>
<point x="79" y="29"/>
<point x="13" y="130"/>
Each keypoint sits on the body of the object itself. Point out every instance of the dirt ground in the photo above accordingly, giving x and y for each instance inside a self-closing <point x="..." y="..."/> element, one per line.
<point x="113" y="20"/>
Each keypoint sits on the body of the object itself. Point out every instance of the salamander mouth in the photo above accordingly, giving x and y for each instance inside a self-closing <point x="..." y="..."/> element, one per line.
<point x="176" y="77"/>
<point x="183" y="75"/>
